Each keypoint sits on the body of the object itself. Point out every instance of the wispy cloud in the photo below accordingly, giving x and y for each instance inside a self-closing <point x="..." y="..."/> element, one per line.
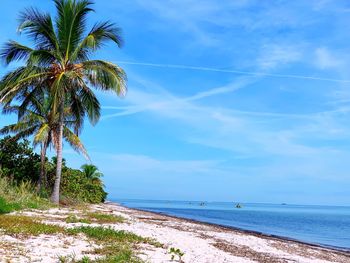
<point x="326" y="60"/>
<point x="279" y="55"/>
<point x="267" y="61"/>
<point x="241" y="132"/>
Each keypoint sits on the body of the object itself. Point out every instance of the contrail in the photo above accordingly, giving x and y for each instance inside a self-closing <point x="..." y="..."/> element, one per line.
<point x="257" y="74"/>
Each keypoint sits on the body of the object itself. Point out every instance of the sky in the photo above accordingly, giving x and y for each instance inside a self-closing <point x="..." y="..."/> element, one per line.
<point x="241" y="100"/>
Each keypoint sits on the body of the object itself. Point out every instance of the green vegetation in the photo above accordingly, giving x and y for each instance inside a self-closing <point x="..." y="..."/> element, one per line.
<point x="18" y="191"/>
<point x="108" y="234"/>
<point x="15" y="196"/>
<point x="58" y="67"/>
<point x="26" y="226"/>
<point x="18" y="160"/>
<point x="76" y="186"/>
<point x="75" y="219"/>
<point x="39" y="121"/>
<point x="92" y="173"/>
<point x="116" y="246"/>
<point x="117" y="254"/>
<point x="176" y="252"/>
<point x="7" y="207"/>
<point x="105" y="218"/>
<point x="95" y="217"/>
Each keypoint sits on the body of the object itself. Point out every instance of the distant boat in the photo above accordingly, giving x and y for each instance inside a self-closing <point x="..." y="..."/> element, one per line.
<point x="283" y="204"/>
<point x="238" y="205"/>
<point x="202" y="204"/>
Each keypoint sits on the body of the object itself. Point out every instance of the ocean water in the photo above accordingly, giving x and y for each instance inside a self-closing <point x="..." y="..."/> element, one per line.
<point x="323" y="225"/>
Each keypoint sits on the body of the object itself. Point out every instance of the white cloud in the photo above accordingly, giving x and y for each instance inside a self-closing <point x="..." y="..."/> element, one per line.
<point x="240" y="132"/>
<point x="326" y="60"/>
<point x="273" y="56"/>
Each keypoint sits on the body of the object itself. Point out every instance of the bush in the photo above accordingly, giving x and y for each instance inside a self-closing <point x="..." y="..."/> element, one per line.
<point x="20" y="165"/>
<point x="75" y="185"/>
<point x="18" y="160"/>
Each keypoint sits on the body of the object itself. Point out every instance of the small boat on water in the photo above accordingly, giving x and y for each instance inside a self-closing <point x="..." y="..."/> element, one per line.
<point x="238" y="205"/>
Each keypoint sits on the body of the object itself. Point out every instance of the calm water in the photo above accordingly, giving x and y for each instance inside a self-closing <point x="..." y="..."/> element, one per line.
<point x="325" y="225"/>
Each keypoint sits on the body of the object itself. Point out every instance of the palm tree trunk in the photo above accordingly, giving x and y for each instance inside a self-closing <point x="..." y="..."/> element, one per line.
<point x="42" y="178"/>
<point x="55" y="196"/>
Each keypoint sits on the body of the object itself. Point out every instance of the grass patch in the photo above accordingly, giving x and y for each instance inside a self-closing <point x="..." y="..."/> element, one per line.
<point x="7" y="207"/>
<point x="75" y="219"/>
<point x="116" y="246"/>
<point x="108" y="234"/>
<point x="27" y="226"/>
<point x="95" y="217"/>
<point x="116" y="254"/>
<point x="105" y="218"/>
<point x="16" y="197"/>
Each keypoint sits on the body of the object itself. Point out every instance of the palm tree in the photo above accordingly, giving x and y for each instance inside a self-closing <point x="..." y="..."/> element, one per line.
<point x="92" y="173"/>
<point x="37" y="119"/>
<point x="60" y="60"/>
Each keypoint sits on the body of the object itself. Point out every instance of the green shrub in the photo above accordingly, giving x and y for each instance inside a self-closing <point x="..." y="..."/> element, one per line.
<point x="20" y="166"/>
<point x="176" y="252"/>
<point x="18" y="160"/>
<point x="76" y="186"/>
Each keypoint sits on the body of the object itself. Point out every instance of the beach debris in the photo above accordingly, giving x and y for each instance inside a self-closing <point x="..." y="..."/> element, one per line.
<point x="176" y="252"/>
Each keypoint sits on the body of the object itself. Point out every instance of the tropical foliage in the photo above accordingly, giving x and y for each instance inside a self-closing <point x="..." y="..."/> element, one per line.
<point x="20" y="166"/>
<point x="59" y="70"/>
<point x="39" y="121"/>
<point x="92" y="173"/>
<point x="18" y="161"/>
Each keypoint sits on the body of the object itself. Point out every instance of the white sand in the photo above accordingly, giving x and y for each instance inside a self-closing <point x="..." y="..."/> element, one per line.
<point x="201" y="243"/>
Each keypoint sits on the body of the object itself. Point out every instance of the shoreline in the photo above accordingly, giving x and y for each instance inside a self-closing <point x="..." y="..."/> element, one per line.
<point x="154" y="235"/>
<point x="344" y="250"/>
<point x="241" y="245"/>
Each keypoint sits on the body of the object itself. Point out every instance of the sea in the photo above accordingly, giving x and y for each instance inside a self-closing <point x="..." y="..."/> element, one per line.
<point x="327" y="226"/>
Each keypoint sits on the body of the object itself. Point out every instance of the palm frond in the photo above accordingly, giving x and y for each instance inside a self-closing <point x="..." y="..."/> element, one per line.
<point x="41" y="58"/>
<point x="24" y="133"/>
<point x="105" y="76"/>
<point x="13" y="51"/>
<point x="42" y="134"/>
<point x="71" y="22"/>
<point x="99" y="34"/>
<point x="9" y="109"/>
<point x="75" y="142"/>
<point x="77" y="115"/>
<point x="39" y="27"/>
<point x="21" y="79"/>
<point x="89" y="102"/>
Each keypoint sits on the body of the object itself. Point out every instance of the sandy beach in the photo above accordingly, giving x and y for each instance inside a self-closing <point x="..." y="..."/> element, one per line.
<point x="200" y="242"/>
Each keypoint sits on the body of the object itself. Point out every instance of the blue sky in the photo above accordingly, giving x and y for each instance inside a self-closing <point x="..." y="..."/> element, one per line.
<point x="203" y="131"/>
